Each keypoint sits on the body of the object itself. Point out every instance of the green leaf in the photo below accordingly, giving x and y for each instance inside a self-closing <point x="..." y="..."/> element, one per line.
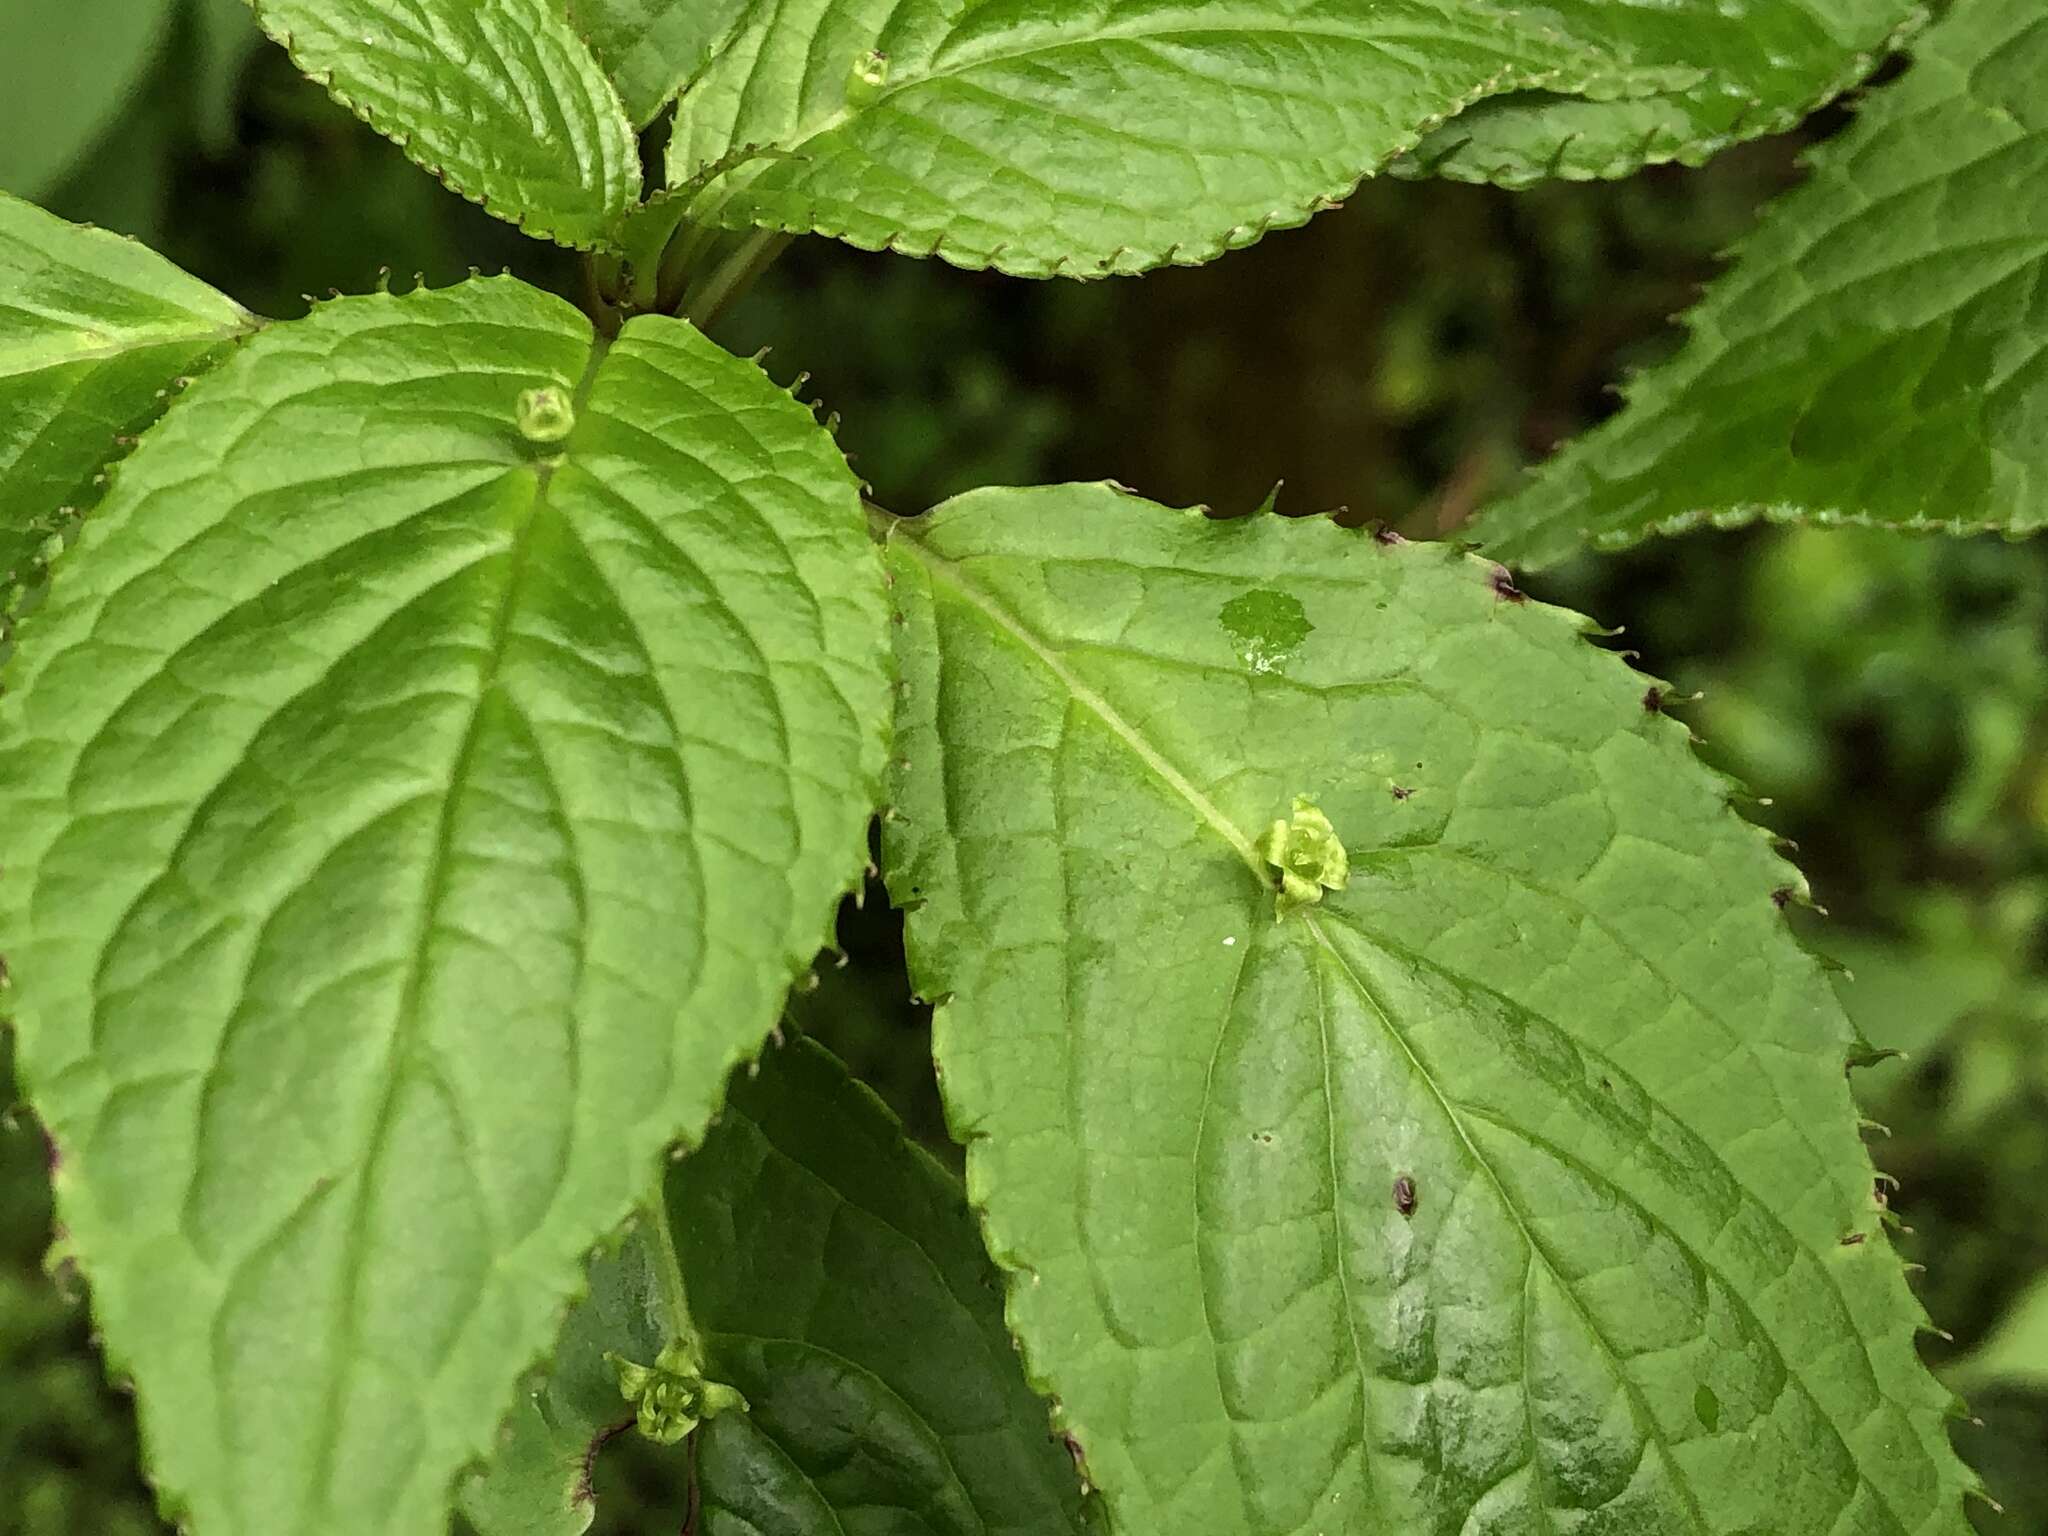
<point x="1086" y="138"/>
<point x="94" y="332"/>
<point x="650" y="48"/>
<point x="1794" y="59"/>
<point x="2015" y="1354"/>
<point x="224" y="37"/>
<point x="839" y="1282"/>
<point x="70" y="68"/>
<point x="408" y="823"/>
<point x="539" y="1481"/>
<point x="1877" y="354"/>
<point x="499" y="98"/>
<point x="834" y="1275"/>
<point x="1431" y="1205"/>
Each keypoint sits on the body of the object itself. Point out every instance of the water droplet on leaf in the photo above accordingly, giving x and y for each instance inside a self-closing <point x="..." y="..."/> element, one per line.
<point x="545" y="415"/>
<point x="1266" y="627"/>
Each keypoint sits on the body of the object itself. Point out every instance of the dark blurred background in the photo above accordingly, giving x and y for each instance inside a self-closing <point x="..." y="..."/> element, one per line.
<point x="1885" y="699"/>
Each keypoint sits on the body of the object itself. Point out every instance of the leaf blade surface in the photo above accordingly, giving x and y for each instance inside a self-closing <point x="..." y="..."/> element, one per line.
<point x="409" y="823"/>
<point x="94" y="329"/>
<point x="833" y="1274"/>
<point x="501" y="99"/>
<point x="1086" y="139"/>
<point x="1509" y="1182"/>
<point x="1876" y="352"/>
<point x="71" y="70"/>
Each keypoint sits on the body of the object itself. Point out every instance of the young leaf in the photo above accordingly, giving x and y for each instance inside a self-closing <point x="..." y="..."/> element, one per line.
<point x="1094" y="138"/>
<point x="71" y="67"/>
<point x="1878" y="353"/>
<point x="94" y="332"/>
<point x="420" y="786"/>
<point x="835" y="1278"/>
<point x="499" y="98"/>
<point x="1508" y="1182"/>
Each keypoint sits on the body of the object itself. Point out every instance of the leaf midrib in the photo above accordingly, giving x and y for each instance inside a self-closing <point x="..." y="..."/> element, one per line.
<point x="1124" y="731"/>
<point x="405" y="1030"/>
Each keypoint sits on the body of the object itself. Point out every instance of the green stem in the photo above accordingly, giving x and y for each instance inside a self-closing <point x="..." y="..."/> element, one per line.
<point x="668" y="1269"/>
<point x="733" y="276"/>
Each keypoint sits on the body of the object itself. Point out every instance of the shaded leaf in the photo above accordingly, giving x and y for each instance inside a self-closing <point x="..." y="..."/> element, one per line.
<point x="839" y="1282"/>
<point x="834" y="1275"/>
<point x="2015" y="1354"/>
<point x="72" y="66"/>
<point x="1878" y="353"/>
<point x="539" y="1481"/>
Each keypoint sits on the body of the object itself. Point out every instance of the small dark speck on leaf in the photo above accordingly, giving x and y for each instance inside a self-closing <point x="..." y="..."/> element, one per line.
<point x="1400" y="791"/>
<point x="1386" y="535"/>
<point x="1852" y="1239"/>
<point x="1504" y="586"/>
<point x="1607" y="1084"/>
<point x="1653" y="700"/>
<point x="1404" y="1195"/>
<point x="1781" y="898"/>
<point x="1706" y="1407"/>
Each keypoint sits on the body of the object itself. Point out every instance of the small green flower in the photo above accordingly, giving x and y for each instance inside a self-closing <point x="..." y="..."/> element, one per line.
<point x="545" y="415"/>
<point x="1309" y="855"/>
<point x="671" y="1397"/>
<point x="864" y="81"/>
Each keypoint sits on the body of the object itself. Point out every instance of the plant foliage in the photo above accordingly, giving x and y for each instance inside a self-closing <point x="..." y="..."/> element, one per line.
<point x="1878" y="353"/>
<point x="1394" y="1097"/>
<point x="1342" y="1217"/>
<point x="414" y="809"/>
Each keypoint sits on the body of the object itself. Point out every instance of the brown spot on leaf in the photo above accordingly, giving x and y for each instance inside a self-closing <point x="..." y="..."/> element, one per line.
<point x="1504" y="587"/>
<point x="1404" y="1195"/>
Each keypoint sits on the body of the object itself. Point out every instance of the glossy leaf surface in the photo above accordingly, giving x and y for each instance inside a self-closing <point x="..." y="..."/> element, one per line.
<point x="1080" y="137"/>
<point x="1878" y="353"/>
<point x="1511" y="1183"/>
<point x="501" y="99"/>
<point x="413" y="805"/>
